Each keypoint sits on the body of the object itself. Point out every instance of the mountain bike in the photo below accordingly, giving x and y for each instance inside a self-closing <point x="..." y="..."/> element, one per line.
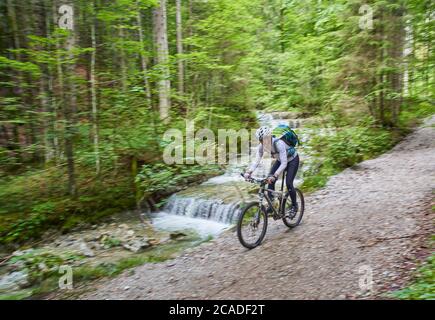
<point x="252" y="222"/>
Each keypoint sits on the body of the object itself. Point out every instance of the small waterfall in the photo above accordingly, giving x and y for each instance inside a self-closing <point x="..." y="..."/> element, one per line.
<point x="209" y="209"/>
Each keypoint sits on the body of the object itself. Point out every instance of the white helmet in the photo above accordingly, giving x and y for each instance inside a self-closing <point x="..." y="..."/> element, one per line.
<point x="262" y="132"/>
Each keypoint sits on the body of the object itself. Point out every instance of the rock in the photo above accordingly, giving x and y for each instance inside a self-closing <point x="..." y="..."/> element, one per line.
<point x="153" y="242"/>
<point x="57" y="243"/>
<point x="86" y="250"/>
<point x="42" y="266"/>
<point x="103" y="238"/>
<point x="164" y="239"/>
<point x="130" y="233"/>
<point x="103" y="233"/>
<point x="126" y="288"/>
<point x="22" y="252"/>
<point x="177" y="235"/>
<point x="90" y="237"/>
<point x="94" y="246"/>
<point x="136" y="245"/>
<point x="14" y="281"/>
<point x="15" y="266"/>
<point x="123" y="226"/>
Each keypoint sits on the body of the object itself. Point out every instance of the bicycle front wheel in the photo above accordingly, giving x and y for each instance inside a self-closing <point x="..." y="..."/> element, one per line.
<point x="252" y="225"/>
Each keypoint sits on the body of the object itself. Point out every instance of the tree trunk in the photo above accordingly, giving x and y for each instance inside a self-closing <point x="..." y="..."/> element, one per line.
<point x="60" y="87"/>
<point x="381" y="74"/>
<point x="429" y="56"/>
<point x="161" y="40"/>
<point x="395" y="55"/>
<point x="281" y="28"/>
<point x="143" y="58"/>
<point x="180" y="47"/>
<point x="45" y="109"/>
<point x="19" y="76"/>
<point x="122" y="60"/>
<point x="94" y="93"/>
<point x="69" y="111"/>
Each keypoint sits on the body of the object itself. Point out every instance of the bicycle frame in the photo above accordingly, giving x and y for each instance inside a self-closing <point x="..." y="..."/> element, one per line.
<point x="264" y="193"/>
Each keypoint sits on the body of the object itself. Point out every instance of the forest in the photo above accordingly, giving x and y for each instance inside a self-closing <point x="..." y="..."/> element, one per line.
<point x="89" y="87"/>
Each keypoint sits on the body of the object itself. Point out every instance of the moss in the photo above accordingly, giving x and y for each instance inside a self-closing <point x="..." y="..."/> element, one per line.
<point x="156" y="254"/>
<point x="44" y="282"/>
<point x="18" y="295"/>
<point x="87" y="273"/>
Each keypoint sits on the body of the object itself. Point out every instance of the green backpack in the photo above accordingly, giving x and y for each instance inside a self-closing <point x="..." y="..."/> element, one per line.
<point x="287" y="134"/>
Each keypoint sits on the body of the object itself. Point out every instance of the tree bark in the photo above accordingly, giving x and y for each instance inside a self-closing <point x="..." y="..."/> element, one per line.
<point x="143" y="58"/>
<point x="381" y="74"/>
<point x="161" y="40"/>
<point x="179" y="23"/>
<point x="94" y="101"/>
<point x="122" y="60"/>
<point x="19" y="76"/>
<point x="69" y="111"/>
<point x="59" y="86"/>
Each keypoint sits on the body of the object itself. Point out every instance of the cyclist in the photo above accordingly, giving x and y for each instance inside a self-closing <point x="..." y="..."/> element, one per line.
<point x="285" y="160"/>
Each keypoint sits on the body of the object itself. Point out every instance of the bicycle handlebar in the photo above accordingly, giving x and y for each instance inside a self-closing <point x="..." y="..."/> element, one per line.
<point x="253" y="180"/>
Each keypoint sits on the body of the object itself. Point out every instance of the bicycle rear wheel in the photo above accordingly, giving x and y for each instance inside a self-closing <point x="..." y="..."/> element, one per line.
<point x="252" y="225"/>
<point x="294" y="220"/>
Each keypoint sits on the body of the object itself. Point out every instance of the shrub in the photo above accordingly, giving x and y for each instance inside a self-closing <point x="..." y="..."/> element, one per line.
<point x="343" y="148"/>
<point x="424" y="286"/>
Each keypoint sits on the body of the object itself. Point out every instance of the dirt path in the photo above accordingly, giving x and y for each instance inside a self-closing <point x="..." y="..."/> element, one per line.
<point x="366" y="217"/>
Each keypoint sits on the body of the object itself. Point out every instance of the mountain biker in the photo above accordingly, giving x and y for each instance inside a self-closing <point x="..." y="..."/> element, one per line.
<point x="284" y="161"/>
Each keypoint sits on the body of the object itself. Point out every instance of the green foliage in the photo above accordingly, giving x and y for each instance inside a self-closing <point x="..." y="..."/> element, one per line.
<point x="413" y="114"/>
<point x="343" y="148"/>
<point x="25" y="229"/>
<point x="46" y="204"/>
<point x="41" y="265"/>
<point x="352" y="145"/>
<point x="111" y="242"/>
<point x="28" y="67"/>
<point x="317" y="176"/>
<point x="20" y="295"/>
<point x="115" y="268"/>
<point x="161" y="177"/>
<point x="423" y="287"/>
